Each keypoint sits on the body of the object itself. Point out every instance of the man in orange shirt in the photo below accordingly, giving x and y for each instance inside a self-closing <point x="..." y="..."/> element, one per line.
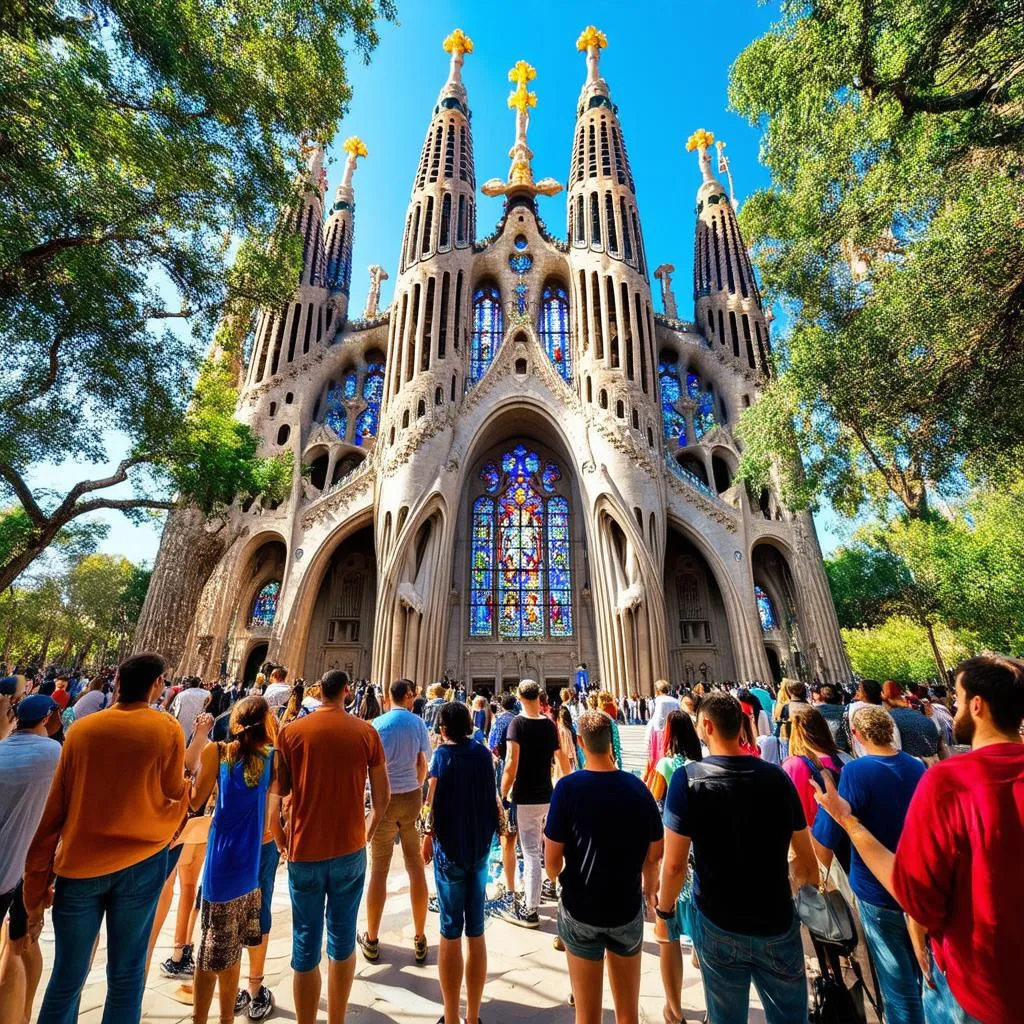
<point x="325" y="758"/>
<point x="117" y="799"/>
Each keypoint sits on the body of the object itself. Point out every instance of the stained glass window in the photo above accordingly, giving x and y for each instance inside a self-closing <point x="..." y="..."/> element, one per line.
<point x="554" y="328"/>
<point x="335" y="415"/>
<point x="520" y="262"/>
<point x="373" y="390"/>
<point x="488" y="328"/>
<point x="766" y="610"/>
<point x="704" y="415"/>
<point x="351" y="387"/>
<point x="520" y="243"/>
<point x="264" y="608"/>
<point x="520" y="573"/>
<point x="671" y="389"/>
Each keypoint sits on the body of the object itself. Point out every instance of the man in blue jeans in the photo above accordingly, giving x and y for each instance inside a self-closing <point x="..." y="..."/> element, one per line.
<point x="325" y="759"/>
<point x="736" y="810"/>
<point x="879" y="787"/>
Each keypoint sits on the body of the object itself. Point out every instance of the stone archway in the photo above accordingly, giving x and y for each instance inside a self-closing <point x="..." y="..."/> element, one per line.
<point x="780" y="610"/>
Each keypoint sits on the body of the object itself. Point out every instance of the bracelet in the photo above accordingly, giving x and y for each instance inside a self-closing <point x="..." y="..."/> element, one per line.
<point x="665" y="915"/>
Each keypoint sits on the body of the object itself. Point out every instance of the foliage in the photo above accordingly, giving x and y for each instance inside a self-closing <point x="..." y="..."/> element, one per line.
<point x="898" y="648"/>
<point x="82" y="614"/>
<point x="866" y="584"/>
<point x="137" y="142"/>
<point x="891" y="235"/>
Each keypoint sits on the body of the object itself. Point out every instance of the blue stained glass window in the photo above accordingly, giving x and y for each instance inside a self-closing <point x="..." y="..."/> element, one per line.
<point x="520" y="243"/>
<point x="704" y="415"/>
<point x="554" y="328"/>
<point x="481" y="583"/>
<point x="351" y="387"/>
<point x="520" y="262"/>
<point x="334" y="411"/>
<point x="520" y="572"/>
<point x="766" y="610"/>
<point x="488" y="328"/>
<point x="373" y="390"/>
<point x="264" y="607"/>
<point x="671" y="389"/>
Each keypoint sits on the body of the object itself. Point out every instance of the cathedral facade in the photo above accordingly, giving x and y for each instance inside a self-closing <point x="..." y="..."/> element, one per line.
<point x="520" y="465"/>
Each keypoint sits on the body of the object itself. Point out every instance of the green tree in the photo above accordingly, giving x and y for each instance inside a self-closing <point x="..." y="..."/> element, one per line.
<point x="891" y="236"/>
<point x="899" y="648"/>
<point x="136" y="143"/>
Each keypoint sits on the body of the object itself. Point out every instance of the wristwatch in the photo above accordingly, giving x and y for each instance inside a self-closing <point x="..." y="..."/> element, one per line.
<point x="665" y="915"/>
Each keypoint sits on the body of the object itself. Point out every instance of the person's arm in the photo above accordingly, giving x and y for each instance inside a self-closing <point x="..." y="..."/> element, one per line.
<point x="427" y="843"/>
<point x="204" y="723"/>
<point x="202" y="787"/>
<point x="676" y="854"/>
<point x="650" y="875"/>
<point x="554" y="858"/>
<point x="805" y="866"/>
<point x="919" y="942"/>
<point x="37" y="892"/>
<point x="380" y="795"/>
<point x="561" y="760"/>
<point x="281" y="784"/>
<point x="508" y="777"/>
<point x="421" y="768"/>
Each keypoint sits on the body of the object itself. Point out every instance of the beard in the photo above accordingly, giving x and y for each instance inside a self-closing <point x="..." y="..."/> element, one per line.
<point x="963" y="727"/>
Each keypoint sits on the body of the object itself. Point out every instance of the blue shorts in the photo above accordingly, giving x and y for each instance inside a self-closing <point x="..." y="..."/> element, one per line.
<point x="338" y="882"/>
<point x="269" y="857"/>
<point x="590" y="942"/>
<point x="461" y="895"/>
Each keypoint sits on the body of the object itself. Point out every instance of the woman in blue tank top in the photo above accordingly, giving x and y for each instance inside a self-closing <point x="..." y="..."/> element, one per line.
<point x="243" y="770"/>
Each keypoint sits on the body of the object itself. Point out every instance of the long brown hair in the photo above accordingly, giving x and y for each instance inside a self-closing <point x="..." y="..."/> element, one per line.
<point x="810" y="736"/>
<point x="253" y="728"/>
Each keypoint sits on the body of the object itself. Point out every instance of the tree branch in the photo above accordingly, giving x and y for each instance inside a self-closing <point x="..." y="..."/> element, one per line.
<point x="32" y="258"/>
<point x="24" y="494"/>
<point x="122" y="504"/>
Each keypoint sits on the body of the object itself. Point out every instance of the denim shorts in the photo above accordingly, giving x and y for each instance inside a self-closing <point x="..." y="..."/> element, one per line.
<point x="461" y="895"/>
<point x="269" y="857"/>
<point x="338" y="883"/>
<point x="590" y="942"/>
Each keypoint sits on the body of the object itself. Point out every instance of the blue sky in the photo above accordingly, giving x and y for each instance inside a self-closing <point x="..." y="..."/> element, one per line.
<point x="667" y="65"/>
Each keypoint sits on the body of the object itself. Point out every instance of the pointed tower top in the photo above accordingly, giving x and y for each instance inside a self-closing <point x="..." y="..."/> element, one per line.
<point x="458" y="44"/>
<point x="701" y="141"/>
<point x="592" y="41"/>
<point x="520" y="175"/>
<point x="355" y="147"/>
<point x="313" y="154"/>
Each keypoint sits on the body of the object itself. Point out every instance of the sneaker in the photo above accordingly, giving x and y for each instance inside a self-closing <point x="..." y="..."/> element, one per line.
<point x="242" y="1001"/>
<point x="183" y="968"/>
<point x="503" y="895"/>
<point x="371" y="950"/>
<point x="549" y="891"/>
<point x="558" y="944"/>
<point x="419" y="947"/>
<point x="517" y="914"/>
<point x="262" y="1004"/>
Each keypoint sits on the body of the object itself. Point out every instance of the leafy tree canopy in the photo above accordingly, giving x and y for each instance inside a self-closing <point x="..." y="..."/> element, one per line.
<point x="892" y="237"/>
<point x="898" y="648"/>
<point x="137" y="142"/>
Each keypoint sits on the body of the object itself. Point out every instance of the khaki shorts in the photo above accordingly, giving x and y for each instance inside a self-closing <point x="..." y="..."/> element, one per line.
<point x="399" y="820"/>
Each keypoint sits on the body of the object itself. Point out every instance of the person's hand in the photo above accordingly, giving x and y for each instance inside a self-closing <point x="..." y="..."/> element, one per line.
<point x="919" y="940"/>
<point x="34" y="928"/>
<point x="427" y="849"/>
<point x="650" y="903"/>
<point x="204" y="723"/>
<point x="835" y="806"/>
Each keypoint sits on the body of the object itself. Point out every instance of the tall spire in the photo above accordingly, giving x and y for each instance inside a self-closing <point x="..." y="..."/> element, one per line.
<point x="341" y="229"/>
<point x="727" y="300"/>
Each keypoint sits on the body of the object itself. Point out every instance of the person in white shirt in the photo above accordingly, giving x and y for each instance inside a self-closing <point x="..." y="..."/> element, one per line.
<point x="278" y="691"/>
<point x="189" y="704"/>
<point x="664" y="705"/>
<point x="869" y="693"/>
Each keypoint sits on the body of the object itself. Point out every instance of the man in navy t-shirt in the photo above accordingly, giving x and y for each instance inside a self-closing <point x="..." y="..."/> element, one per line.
<point x="879" y="787"/>
<point x="603" y="841"/>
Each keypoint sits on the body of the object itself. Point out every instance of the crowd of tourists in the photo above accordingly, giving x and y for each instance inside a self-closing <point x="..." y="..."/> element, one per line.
<point x="768" y="822"/>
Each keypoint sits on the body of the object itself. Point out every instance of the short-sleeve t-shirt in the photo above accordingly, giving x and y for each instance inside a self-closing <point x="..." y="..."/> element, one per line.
<point x="918" y="733"/>
<point x="604" y="852"/>
<point x="404" y="737"/>
<point x="879" y="790"/>
<point x="538" y="741"/>
<point x="328" y="756"/>
<point x="465" y="802"/>
<point x="738" y="811"/>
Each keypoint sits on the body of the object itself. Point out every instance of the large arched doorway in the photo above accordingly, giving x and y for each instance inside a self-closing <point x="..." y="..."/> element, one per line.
<point x="256" y="657"/>
<point x="519" y="571"/>
<point x="341" y="626"/>
<point x="255" y="611"/>
<point x="779" y="612"/>
<point x="699" y="647"/>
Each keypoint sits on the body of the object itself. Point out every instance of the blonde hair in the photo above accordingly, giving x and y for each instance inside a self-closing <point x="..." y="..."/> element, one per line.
<point x="782" y="699"/>
<point x="661" y="686"/>
<point x="874" y="724"/>
<point x="810" y="736"/>
<point x="565" y="694"/>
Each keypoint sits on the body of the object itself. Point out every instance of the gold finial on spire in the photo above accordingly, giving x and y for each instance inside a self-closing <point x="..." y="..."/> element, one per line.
<point x="700" y="139"/>
<point x="591" y="37"/>
<point x="520" y="98"/>
<point x="355" y="146"/>
<point x="458" y="42"/>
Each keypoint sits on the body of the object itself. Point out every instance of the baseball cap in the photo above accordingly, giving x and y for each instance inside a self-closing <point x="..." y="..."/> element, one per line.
<point x="8" y="686"/>
<point x="32" y="710"/>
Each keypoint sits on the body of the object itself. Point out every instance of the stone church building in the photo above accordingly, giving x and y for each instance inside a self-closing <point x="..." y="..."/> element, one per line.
<point x="520" y="465"/>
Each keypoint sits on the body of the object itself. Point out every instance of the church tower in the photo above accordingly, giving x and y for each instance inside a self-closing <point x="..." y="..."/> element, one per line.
<point x="287" y="334"/>
<point x="426" y="368"/>
<point x="727" y="300"/>
<point x="339" y="234"/>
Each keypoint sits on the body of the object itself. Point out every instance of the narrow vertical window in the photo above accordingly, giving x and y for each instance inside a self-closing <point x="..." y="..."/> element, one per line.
<point x="554" y="328"/>
<point x="487" y="330"/>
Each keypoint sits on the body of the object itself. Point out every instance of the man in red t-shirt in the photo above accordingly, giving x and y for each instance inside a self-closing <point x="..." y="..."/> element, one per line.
<point x="956" y="870"/>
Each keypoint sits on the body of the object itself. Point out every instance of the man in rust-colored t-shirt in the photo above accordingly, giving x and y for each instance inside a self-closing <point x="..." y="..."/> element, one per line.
<point x="324" y="762"/>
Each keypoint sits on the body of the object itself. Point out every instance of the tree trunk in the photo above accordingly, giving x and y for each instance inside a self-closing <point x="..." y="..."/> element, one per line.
<point x="939" y="663"/>
<point x="44" y="647"/>
<point x="14" y="567"/>
<point x="187" y="557"/>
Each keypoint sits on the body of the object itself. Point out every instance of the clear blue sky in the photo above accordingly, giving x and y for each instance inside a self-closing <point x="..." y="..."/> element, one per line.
<point x="667" y="65"/>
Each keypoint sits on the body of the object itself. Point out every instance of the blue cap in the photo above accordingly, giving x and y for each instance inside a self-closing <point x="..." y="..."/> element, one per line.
<point x="8" y="686"/>
<point x="32" y="710"/>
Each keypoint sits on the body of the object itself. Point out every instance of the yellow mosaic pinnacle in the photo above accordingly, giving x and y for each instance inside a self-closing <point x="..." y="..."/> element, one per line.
<point x="459" y="42"/>
<point x="355" y="146"/>
<point x="700" y="139"/>
<point x="521" y="73"/>
<point x="591" y="36"/>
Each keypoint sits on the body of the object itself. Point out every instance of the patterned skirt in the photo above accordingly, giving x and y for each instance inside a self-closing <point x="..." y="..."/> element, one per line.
<point x="227" y="927"/>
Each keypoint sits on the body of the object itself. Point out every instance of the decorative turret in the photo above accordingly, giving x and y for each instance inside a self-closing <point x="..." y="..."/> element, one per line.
<point x="430" y="311"/>
<point x="287" y="334"/>
<point x="614" y="336"/>
<point x="340" y="229"/>
<point x="727" y="300"/>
